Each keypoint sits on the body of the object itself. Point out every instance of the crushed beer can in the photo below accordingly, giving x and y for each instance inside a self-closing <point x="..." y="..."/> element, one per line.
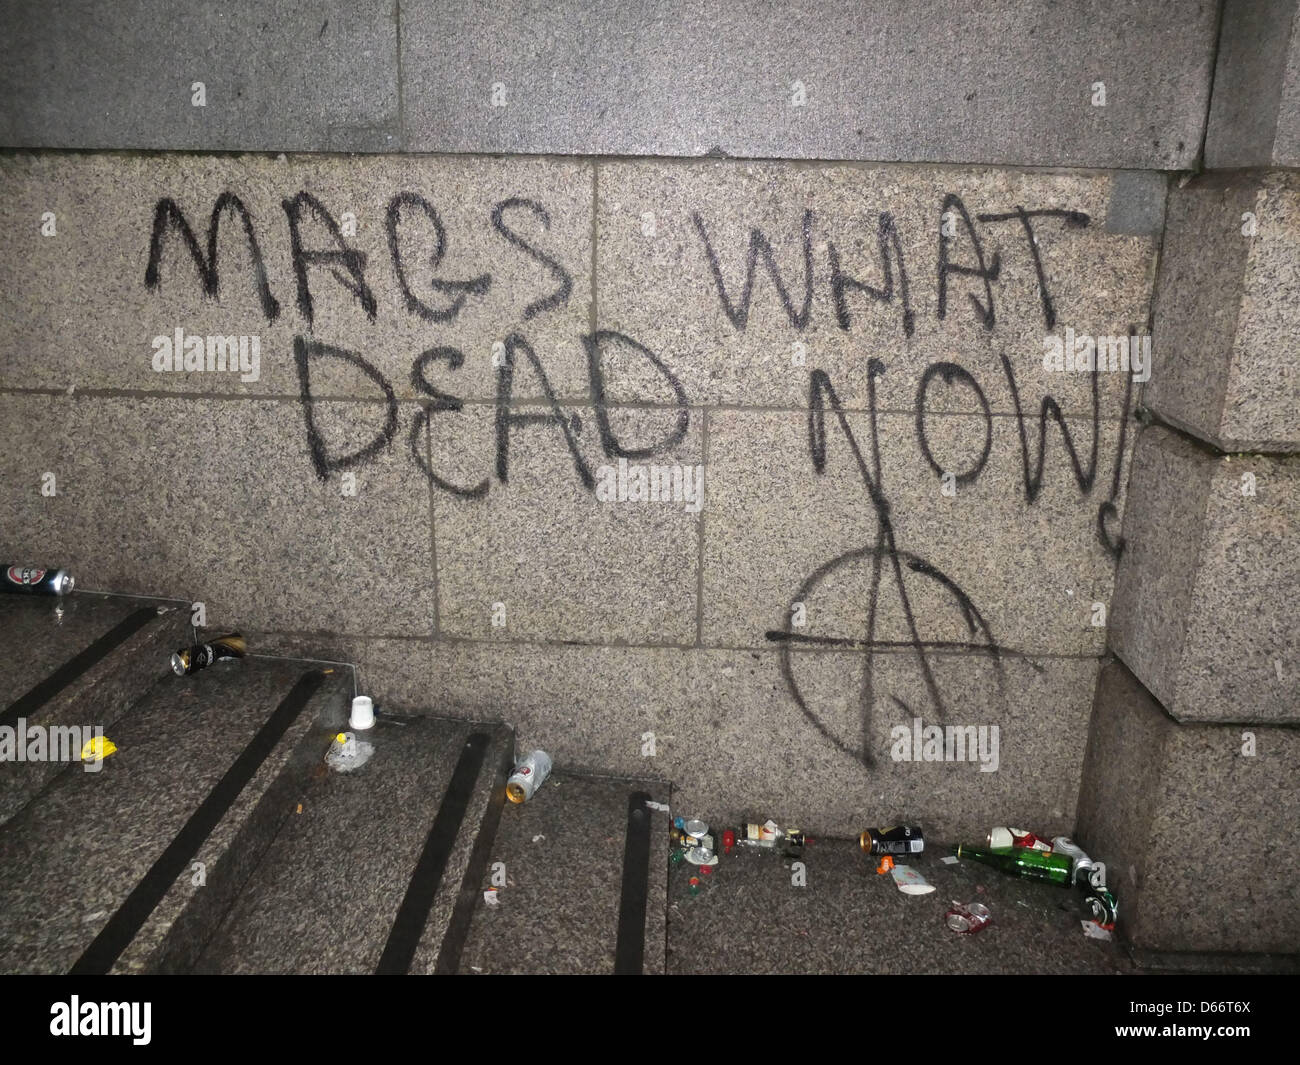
<point x="765" y="837"/>
<point x="191" y="659"/>
<point x="967" y="919"/>
<point x="696" y="830"/>
<point x="1101" y="907"/>
<point x="688" y="834"/>
<point x="1085" y="872"/>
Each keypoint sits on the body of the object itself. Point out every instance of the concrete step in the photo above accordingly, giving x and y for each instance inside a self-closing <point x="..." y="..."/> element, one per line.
<point x="584" y="866"/>
<point x="369" y="872"/>
<point x="73" y="662"/>
<point x="125" y="868"/>
<point x="753" y="915"/>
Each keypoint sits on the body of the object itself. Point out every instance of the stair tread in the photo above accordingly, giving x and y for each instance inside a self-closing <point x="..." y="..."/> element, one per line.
<point x="71" y="857"/>
<point x="83" y="667"/>
<point x="563" y="853"/>
<point x="326" y="893"/>
<point x="39" y="639"/>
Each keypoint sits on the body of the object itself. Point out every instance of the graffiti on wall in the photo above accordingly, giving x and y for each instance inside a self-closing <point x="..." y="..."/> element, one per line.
<point x="416" y="242"/>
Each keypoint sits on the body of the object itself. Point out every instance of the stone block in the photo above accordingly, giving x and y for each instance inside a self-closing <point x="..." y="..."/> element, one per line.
<point x="542" y="556"/>
<point x="1196" y="824"/>
<point x="1203" y="612"/>
<point x="1254" y="115"/>
<point x="1225" y="326"/>
<point x="285" y="75"/>
<point x="1011" y="83"/>
<point x="481" y="249"/>
<point x="218" y="501"/>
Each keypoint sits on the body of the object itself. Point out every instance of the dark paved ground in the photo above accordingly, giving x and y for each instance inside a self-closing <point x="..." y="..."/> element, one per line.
<point x="749" y="918"/>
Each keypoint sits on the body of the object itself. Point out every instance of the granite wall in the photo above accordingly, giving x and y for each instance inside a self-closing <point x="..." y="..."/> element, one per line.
<point x="742" y="474"/>
<point x="737" y="473"/>
<point x="1190" y="784"/>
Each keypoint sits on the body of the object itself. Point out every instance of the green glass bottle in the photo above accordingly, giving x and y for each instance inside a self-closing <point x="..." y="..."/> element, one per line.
<point x="1022" y="861"/>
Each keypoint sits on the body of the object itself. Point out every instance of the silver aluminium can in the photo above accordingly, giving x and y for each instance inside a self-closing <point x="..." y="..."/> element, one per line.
<point x="528" y="776"/>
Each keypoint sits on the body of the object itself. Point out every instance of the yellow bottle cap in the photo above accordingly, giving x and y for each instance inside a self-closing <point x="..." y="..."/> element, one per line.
<point x="97" y="749"/>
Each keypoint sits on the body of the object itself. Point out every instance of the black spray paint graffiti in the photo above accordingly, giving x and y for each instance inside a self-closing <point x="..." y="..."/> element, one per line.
<point x="987" y="270"/>
<point x="887" y="559"/>
<point x="883" y="553"/>
<point x="411" y="221"/>
<point x="348" y="267"/>
<point x="168" y="216"/>
<point x="884" y="556"/>
<point x="346" y="264"/>
<point x="508" y="420"/>
<point x="460" y="291"/>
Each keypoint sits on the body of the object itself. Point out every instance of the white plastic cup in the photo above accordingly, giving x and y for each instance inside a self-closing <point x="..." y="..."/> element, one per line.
<point x="363" y="713"/>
